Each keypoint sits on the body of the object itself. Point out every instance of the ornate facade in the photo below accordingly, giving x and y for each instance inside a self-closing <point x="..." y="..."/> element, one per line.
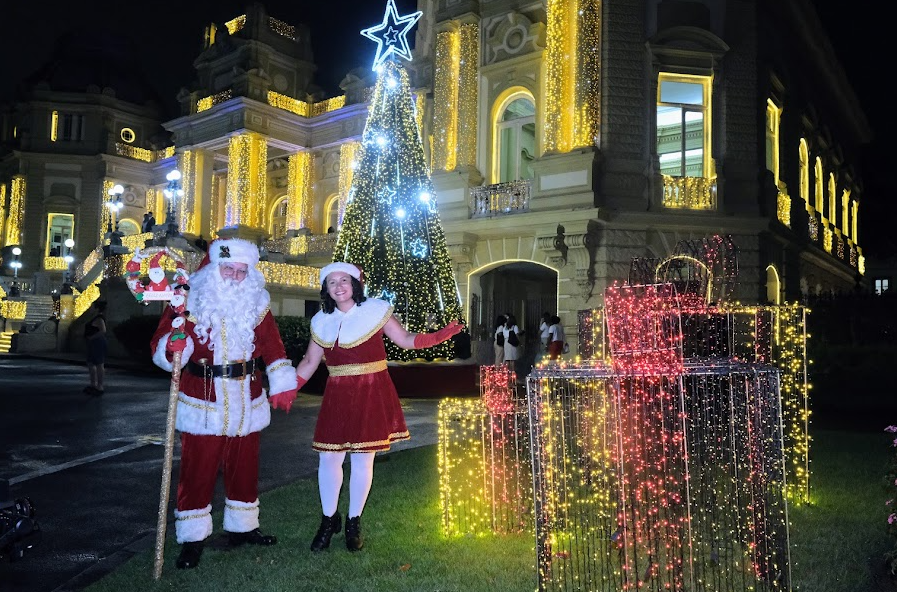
<point x="564" y="139"/>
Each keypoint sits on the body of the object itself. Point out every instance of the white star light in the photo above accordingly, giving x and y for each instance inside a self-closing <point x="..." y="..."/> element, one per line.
<point x="392" y="33"/>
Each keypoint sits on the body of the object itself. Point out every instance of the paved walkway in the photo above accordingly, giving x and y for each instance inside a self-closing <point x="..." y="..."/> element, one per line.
<point x="92" y="467"/>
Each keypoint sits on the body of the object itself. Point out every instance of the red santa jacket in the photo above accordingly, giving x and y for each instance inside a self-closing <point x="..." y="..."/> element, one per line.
<point x="225" y="406"/>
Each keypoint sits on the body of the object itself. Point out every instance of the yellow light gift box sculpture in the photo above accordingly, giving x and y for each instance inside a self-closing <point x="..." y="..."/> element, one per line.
<point x="484" y="459"/>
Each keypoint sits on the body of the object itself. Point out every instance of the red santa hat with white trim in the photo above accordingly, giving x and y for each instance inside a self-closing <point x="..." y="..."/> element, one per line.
<point x="348" y="268"/>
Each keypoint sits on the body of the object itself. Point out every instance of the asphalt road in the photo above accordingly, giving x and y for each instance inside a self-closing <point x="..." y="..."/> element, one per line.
<point x="92" y="467"/>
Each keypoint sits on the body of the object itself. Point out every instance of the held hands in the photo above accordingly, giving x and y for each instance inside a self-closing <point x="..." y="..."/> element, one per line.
<point x="425" y="340"/>
<point x="284" y="400"/>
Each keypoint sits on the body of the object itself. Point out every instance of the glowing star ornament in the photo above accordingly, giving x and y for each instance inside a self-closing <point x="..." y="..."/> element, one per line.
<point x="392" y="34"/>
<point x="419" y="248"/>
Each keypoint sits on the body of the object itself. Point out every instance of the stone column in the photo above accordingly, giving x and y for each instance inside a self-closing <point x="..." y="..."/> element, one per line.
<point x="247" y="178"/>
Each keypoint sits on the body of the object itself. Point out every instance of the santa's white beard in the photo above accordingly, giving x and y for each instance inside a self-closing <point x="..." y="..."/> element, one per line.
<point x="240" y="305"/>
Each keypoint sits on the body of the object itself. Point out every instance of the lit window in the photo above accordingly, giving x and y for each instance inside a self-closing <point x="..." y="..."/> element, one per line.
<point x="881" y="285"/>
<point x="68" y="127"/>
<point x="773" y="120"/>
<point x="683" y="125"/>
<point x="279" y="218"/>
<point x="803" y="155"/>
<point x="331" y="222"/>
<point x="59" y="228"/>
<point x="516" y="141"/>
<point x="818" y="202"/>
<point x="128" y="135"/>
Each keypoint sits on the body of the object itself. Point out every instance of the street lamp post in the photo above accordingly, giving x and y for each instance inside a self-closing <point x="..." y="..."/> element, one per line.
<point x="68" y="258"/>
<point x="115" y="205"/>
<point x="16" y="265"/>
<point x="172" y="192"/>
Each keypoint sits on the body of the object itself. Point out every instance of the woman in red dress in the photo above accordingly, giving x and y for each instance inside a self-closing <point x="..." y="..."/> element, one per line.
<point x="360" y="412"/>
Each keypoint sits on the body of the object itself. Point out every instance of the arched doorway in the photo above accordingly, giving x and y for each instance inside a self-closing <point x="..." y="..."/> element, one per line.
<point x="773" y="286"/>
<point x="523" y="288"/>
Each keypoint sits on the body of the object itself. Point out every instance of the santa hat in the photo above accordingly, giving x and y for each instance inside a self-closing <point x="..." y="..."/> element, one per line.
<point x="231" y="250"/>
<point x="342" y="266"/>
<point x="156" y="261"/>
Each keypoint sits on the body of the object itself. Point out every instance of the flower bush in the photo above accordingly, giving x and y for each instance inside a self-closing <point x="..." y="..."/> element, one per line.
<point x="891" y="484"/>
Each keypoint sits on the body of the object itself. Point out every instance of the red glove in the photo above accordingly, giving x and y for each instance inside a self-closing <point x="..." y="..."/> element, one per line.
<point x="285" y="399"/>
<point x="177" y="341"/>
<point x="425" y="340"/>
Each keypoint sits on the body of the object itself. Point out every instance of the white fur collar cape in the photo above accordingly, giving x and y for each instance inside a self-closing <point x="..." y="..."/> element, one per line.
<point x="353" y="327"/>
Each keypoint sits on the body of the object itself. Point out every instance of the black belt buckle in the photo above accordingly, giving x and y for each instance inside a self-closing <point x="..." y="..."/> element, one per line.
<point x="229" y="371"/>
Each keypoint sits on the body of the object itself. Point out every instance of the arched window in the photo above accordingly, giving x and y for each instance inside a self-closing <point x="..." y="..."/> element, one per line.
<point x="128" y="227"/>
<point x="773" y="286"/>
<point x="331" y="214"/>
<point x="804" y="160"/>
<point x="516" y="134"/>
<point x="773" y="119"/>
<point x="818" y="204"/>
<point x="279" y="218"/>
<point x="832" y="201"/>
<point x="845" y="212"/>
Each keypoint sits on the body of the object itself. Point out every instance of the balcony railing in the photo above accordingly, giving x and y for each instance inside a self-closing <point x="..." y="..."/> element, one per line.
<point x="693" y="193"/>
<point x="500" y="199"/>
<point x="309" y="244"/>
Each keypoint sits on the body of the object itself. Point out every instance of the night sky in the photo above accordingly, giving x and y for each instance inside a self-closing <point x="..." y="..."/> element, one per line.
<point x="171" y="33"/>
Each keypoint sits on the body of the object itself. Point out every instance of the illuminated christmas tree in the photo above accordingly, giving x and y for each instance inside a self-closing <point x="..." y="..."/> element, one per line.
<point x="391" y="226"/>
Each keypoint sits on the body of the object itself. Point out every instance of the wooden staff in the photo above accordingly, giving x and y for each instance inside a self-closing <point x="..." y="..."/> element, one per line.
<point x="166" y="464"/>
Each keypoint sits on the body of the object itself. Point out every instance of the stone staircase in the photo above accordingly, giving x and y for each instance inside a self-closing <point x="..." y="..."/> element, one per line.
<point x="39" y="308"/>
<point x="6" y="341"/>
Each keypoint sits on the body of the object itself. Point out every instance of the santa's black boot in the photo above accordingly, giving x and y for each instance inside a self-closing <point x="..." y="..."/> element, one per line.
<point x="330" y="525"/>
<point x="190" y="555"/>
<point x="354" y="540"/>
<point x="253" y="537"/>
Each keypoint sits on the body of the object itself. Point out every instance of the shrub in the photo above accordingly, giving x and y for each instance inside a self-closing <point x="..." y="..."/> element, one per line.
<point x="891" y="484"/>
<point x="296" y="333"/>
<point x="135" y="334"/>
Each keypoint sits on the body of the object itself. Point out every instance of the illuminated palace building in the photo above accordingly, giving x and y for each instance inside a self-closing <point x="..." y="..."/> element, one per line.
<point x="564" y="138"/>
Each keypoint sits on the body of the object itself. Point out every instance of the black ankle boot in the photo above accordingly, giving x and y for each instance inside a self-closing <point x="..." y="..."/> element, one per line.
<point x="253" y="537"/>
<point x="354" y="542"/>
<point x="190" y="554"/>
<point x="330" y="525"/>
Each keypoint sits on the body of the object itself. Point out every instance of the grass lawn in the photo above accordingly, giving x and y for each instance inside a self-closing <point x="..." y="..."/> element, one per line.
<point x="837" y="543"/>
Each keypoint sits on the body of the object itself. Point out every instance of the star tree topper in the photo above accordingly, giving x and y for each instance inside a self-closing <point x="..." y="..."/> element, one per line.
<point x="392" y="33"/>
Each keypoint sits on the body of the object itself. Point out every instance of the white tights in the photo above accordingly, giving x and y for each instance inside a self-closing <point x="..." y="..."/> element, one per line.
<point x="330" y="480"/>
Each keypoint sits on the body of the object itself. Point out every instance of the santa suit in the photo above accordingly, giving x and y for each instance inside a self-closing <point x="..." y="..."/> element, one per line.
<point x="220" y="420"/>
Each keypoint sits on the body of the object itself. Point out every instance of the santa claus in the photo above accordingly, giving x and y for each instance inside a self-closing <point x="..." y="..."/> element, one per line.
<point x="227" y="340"/>
<point x="158" y="283"/>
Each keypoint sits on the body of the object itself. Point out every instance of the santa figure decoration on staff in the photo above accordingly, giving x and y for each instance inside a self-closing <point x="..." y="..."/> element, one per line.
<point x="227" y="338"/>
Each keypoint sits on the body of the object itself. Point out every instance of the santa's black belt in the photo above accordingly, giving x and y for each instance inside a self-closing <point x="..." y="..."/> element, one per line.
<point x="235" y="370"/>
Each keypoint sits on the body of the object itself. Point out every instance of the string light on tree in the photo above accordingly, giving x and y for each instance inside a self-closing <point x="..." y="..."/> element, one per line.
<point x="391" y="227"/>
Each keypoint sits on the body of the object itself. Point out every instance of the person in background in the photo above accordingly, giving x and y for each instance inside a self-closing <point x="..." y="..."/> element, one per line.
<point x="148" y="222"/>
<point x="360" y="412"/>
<point x="512" y="352"/>
<point x="95" y="336"/>
<point x="543" y="333"/>
<point x="498" y="340"/>
<point x="226" y="341"/>
<point x="556" y="338"/>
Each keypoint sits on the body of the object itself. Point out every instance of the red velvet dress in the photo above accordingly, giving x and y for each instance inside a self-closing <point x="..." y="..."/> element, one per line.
<point x="360" y="411"/>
